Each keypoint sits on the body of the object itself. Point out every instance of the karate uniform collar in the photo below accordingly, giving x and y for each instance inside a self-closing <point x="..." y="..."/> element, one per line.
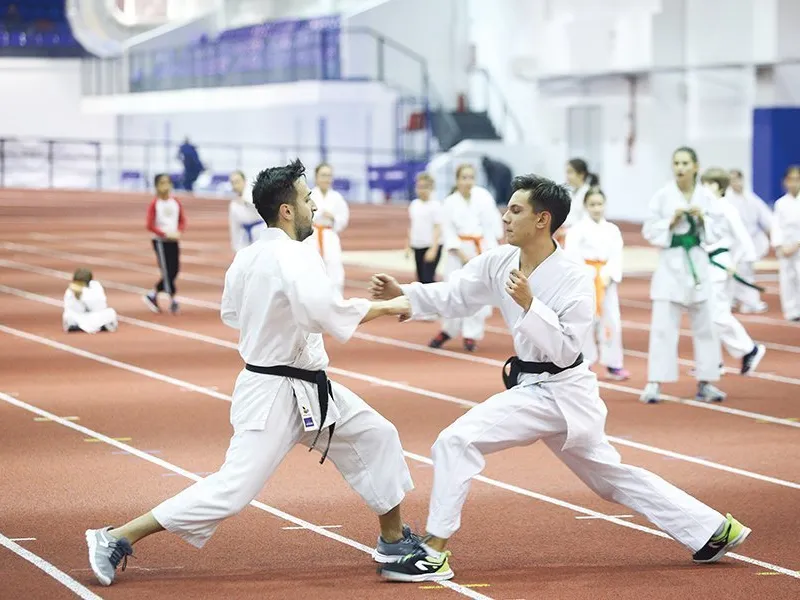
<point x="273" y="234"/>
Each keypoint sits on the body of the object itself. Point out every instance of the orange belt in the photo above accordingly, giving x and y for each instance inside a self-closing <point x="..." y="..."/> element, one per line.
<point x="320" y="235"/>
<point x="475" y="239"/>
<point x="599" y="288"/>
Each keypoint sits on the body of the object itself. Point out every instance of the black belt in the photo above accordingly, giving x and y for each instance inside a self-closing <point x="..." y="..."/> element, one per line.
<point x="320" y="378"/>
<point x="517" y="366"/>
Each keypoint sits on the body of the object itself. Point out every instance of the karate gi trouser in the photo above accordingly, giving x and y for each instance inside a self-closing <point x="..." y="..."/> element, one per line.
<point x="365" y="449"/>
<point x="730" y="331"/>
<point x="472" y="327"/>
<point x="665" y="331"/>
<point x="90" y="322"/>
<point x="748" y="298"/>
<point x="608" y="330"/>
<point x="527" y="413"/>
<point x="789" y="279"/>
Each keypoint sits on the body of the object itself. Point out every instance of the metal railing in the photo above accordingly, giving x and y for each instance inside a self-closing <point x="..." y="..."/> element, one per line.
<point x="489" y="97"/>
<point x="132" y="164"/>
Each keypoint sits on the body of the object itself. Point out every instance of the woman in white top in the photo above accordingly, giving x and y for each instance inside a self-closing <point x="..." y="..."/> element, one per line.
<point x="785" y="239"/>
<point x="598" y="243"/>
<point x="579" y="180"/>
<point x="244" y="222"/>
<point x="425" y="230"/>
<point x="330" y="220"/>
<point x="683" y="216"/>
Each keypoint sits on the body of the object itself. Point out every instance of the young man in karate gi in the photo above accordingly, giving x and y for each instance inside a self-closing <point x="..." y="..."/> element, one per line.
<point x="683" y="216"/>
<point x="244" y="222"/>
<point x="330" y="220"/>
<point x="279" y="297"/>
<point x="547" y="301"/>
<point x="733" y="247"/>
<point x="757" y="219"/>
<point x="85" y="305"/>
<point x="470" y="226"/>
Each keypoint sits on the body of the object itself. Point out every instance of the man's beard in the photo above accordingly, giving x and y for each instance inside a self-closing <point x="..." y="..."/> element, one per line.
<point x="303" y="232"/>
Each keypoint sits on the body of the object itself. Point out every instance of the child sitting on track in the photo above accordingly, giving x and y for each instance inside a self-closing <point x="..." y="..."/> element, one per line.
<point x="85" y="305"/>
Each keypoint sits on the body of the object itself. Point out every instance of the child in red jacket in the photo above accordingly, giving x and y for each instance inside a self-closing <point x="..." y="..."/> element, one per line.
<point x="165" y="218"/>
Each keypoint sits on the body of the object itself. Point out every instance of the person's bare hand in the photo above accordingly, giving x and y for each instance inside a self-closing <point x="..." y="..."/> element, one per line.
<point x="384" y="287"/>
<point x="518" y="288"/>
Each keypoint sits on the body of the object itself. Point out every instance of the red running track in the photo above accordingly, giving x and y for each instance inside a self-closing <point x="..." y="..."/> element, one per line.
<point x="144" y="410"/>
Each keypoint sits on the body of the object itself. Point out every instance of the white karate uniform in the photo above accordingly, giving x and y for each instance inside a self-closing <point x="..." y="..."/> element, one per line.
<point x="90" y="312"/>
<point x="474" y="226"/>
<point x="564" y="410"/>
<point x="244" y="222"/>
<point x="326" y="232"/>
<point x="734" y="238"/>
<point x="599" y="245"/>
<point x="786" y="230"/>
<point x="279" y="297"/>
<point x="757" y="219"/>
<point x="673" y="287"/>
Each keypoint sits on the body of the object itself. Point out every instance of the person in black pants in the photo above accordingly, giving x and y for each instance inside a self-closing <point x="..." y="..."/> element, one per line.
<point x="166" y="220"/>
<point x="425" y="229"/>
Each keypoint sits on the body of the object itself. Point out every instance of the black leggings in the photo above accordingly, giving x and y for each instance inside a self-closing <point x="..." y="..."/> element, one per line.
<point x="426" y="271"/>
<point x="168" y="255"/>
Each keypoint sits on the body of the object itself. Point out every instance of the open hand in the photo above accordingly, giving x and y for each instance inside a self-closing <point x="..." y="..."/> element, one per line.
<point x="518" y="288"/>
<point x="384" y="287"/>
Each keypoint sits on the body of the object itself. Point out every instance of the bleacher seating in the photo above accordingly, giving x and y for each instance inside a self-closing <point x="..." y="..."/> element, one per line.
<point x="36" y="27"/>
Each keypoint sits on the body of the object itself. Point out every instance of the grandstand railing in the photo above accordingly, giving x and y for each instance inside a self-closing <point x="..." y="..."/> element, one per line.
<point x="362" y="174"/>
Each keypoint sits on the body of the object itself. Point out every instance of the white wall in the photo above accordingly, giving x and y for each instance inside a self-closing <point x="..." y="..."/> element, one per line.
<point x="42" y="98"/>
<point x="438" y="31"/>
<point x="697" y="81"/>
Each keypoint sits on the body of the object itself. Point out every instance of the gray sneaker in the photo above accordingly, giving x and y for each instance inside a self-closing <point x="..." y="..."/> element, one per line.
<point x="106" y="552"/>
<point x="390" y="553"/>
<point x="709" y="393"/>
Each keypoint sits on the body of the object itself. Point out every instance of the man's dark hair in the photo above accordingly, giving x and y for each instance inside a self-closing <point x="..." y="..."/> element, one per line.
<point x="158" y="177"/>
<point x="545" y="195"/>
<point x="274" y="187"/>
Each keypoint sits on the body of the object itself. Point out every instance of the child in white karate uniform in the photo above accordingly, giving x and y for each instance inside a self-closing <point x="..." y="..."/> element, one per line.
<point x="85" y="305"/>
<point x="733" y="247"/>
<point x="598" y="243"/>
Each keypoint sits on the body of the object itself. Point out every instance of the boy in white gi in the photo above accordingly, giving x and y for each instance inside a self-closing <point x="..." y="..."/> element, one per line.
<point x="683" y="216"/>
<point x="732" y="248"/>
<point x="757" y="219"/>
<point x="471" y="226"/>
<point x="547" y="302"/>
<point x="85" y="305"/>
<point x="330" y="220"/>
<point x="785" y="239"/>
<point x="244" y="222"/>
<point x="280" y="299"/>
<point x="598" y="243"/>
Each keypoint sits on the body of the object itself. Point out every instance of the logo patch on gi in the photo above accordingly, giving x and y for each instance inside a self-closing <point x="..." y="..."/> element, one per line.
<point x="308" y="421"/>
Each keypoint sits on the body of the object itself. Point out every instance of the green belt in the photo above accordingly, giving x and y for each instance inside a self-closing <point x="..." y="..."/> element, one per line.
<point x="736" y="277"/>
<point x="687" y="241"/>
